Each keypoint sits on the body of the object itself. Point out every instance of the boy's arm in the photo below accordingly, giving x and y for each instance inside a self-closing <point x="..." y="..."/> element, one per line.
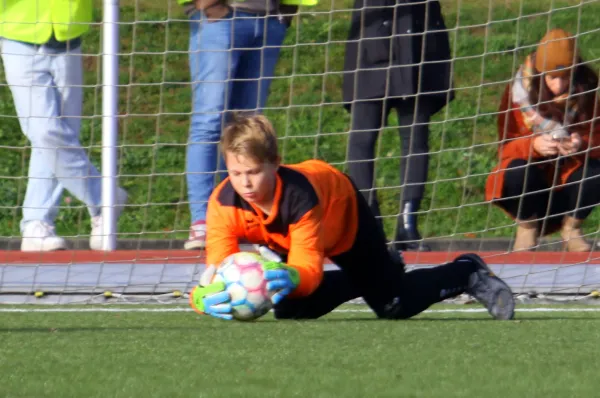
<point x="221" y="233"/>
<point x="306" y="253"/>
<point x="221" y="241"/>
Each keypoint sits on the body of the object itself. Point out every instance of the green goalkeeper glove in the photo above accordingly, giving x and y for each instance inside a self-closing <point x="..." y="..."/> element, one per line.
<point x="211" y="298"/>
<point x="281" y="278"/>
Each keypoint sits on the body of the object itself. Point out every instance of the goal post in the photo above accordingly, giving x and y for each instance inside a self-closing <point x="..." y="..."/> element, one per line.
<point x="110" y="113"/>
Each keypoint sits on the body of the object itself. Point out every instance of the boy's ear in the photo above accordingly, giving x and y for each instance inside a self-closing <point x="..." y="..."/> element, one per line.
<point x="277" y="162"/>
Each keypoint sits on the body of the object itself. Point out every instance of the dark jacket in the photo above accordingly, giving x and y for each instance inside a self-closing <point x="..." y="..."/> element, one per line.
<point x="396" y="78"/>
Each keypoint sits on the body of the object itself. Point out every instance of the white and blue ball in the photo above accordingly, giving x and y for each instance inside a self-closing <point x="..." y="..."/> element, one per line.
<point x="243" y="275"/>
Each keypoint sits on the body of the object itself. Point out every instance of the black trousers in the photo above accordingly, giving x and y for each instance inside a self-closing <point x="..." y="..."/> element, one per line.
<point x="531" y="195"/>
<point x="367" y="120"/>
<point x="367" y="270"/>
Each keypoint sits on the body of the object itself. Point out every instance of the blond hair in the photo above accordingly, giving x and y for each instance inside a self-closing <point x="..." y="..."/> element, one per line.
<point x="251" y="136"/>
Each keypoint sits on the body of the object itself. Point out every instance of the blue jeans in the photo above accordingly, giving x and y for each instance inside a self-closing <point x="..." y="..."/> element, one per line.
<point x="46" y="85"/>
<point x="232" y="61"/>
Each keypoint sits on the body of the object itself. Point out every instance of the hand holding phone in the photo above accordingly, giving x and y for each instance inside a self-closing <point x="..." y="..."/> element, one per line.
<point x="570" y="145"/>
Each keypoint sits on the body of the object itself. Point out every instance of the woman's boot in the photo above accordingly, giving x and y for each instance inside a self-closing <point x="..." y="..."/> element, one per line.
<point x="407" y="234"/>
<point x="527" y="235"/>
<point x="572" y="236"/>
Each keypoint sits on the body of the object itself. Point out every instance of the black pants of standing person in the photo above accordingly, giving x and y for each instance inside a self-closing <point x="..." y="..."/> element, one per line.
<point x="368" y="117"/>
<point x="528" y="192"/>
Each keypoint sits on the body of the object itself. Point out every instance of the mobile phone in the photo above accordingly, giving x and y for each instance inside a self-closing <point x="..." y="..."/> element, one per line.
<point x="560" y="135"/>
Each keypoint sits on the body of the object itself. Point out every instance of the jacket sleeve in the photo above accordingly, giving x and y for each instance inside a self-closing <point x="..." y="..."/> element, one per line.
<point x="520" y="148"/>
<point x="221" y="233"/>
<point x="516" y="140"/>
<point x="306" y="252"/>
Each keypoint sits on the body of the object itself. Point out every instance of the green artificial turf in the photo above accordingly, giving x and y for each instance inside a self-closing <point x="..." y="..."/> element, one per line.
<point x="346" y="354"/>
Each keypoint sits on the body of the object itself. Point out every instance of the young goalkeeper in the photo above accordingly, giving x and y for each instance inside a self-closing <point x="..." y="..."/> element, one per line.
<point x="309" y="211"/>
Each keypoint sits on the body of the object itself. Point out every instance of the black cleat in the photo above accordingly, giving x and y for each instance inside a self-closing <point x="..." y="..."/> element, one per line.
<point x="489" y="290"/>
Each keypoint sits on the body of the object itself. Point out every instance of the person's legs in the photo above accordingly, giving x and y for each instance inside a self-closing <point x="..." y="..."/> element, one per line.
<point x="75" y="171"/>
<point x="368" y="270"/>
<point x="73" y="167"/>
<point x="335" y="289"/>
<point x="583" y="190"/>
<point x="414" y="166"/>
<point x="47" y="89"/>
<point x="525" y="196"/>
<point x="258" y="39"/>
<point x="212" y="65"/>
<point x="581" y="195"/>
<point x="468" y="273"/>
<point x="393" y="294"/>
<point x="525" y="191"/>
<point x="382" y="282"/>
<point x="29" y="77"/>
<point x="367" y="119"/>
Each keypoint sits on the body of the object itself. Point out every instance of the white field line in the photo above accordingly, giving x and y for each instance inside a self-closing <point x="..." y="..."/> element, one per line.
<point x="162" y="310"/>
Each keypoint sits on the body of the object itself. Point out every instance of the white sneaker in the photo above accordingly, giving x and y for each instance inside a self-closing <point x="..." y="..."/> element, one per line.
<point x="197" y="239"/>
<point x="39" y="236"/>
<point x="97" y="234"/>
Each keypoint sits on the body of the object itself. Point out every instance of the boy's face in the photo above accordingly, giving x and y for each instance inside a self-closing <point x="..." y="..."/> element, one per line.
<point x="252" y="180"/>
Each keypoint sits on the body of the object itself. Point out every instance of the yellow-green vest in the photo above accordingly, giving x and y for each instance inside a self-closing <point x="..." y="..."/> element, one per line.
<point x="286" y="2"/>
<point x="308" y="3"/>
<point x="33" y="21"/>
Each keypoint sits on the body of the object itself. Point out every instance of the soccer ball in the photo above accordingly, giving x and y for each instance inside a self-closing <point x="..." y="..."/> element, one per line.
<point x="243" y="276"/>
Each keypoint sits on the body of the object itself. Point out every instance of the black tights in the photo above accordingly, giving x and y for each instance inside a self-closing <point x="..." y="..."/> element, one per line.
<point x="367" y="120"/>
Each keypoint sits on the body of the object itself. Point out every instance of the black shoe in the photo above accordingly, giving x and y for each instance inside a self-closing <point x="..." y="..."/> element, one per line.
<point x="407" y="233"/>
<point x="410" y="241"/>
<point x="488" y="289"/>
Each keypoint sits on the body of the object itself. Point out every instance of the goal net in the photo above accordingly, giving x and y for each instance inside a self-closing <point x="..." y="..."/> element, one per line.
<point x="489" y="40"/>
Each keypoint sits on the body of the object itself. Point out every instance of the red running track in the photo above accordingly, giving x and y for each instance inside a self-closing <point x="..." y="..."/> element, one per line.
<point x="191" y="257"/>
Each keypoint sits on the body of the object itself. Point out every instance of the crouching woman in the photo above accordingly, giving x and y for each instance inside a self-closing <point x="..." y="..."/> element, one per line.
<point x="548" y="176"/>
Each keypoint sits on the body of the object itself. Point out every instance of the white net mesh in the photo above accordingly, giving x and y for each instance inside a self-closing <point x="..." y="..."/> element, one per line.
<point x="489" y="40"/>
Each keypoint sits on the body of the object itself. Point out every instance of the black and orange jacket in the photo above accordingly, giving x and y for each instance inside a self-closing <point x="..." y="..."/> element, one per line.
<point x="314" y="216"/>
